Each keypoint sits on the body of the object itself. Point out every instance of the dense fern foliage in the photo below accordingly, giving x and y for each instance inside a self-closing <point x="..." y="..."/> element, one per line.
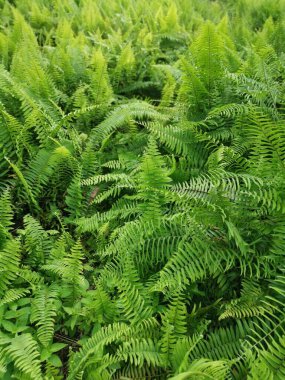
<point x="142" y="182"/>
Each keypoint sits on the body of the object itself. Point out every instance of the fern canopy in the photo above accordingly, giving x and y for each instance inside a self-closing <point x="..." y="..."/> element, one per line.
<point x="142" y="172"/>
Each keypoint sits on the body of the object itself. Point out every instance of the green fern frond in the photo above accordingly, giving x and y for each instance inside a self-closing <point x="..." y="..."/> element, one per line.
<point x="173" y="327"/>
<point x="205" y="369"/>
<point x="153" y="181"/>
<point x="24" y="183"/>
<point x="181" y="350"/>
<point x="10" y="257"/>
<point x="133" y="297"/>
<point x="73" y="265"/>
<point x="37" y="243"/>
<point x="6" y="213"/>
<point x="24" y="352"/>
<point x="13" y="295"/>
<point x="271" y="361"/>
<point x="102" y="304"/>
<point x="120" y="209"/>
<point x="138" y="352"/>
<point x="223" y="343"/>
<point x="44" y="311"/>
<point x="74" y="197"/>
<point x="102" y="92"/>
<point x="118" y="118"/>
<point x="268" y="141"/>
<point x="209" y="53"/>
<point x="10" y="131"/>
<point x="248" y="305"/>
<point x="104" y="336"/>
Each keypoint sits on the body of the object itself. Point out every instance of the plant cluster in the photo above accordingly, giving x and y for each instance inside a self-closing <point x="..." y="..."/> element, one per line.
<point x="142" y="190"/>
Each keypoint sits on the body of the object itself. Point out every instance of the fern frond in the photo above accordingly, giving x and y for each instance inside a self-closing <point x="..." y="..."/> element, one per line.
<point x="13" y="295"/>
<point x="118" y="118"/>
<point x="138" y="352"/>
<point x="181" y="350"/>
<point x="10" y="257"/>
<point x="205" y="369"/>
<point x="223" y="343"/>
<point x="271" y="360"/>
<point x="44" y="311"/>
<point x="173" y="327"/>
<point x="37" y="242"/>
<point x="153" y="181"/>
<point x="6" y="213"/>
<point x="24" y="352"/>
<point x="93" y="345"/>
<point x="24" y="183"/>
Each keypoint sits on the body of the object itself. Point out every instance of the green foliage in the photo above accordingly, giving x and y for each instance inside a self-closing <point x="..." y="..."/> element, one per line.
<point x="142" y="154"/>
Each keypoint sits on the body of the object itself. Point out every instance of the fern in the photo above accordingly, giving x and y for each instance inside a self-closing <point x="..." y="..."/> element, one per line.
<point x="173" y="328"/>
<point x="10" y="256"/>
<point x="44" y="312"/>
<point x="93" y="346"/>
<point x="117" y="119"/>
<point x="139" y="351"/>
<point x="202" y="369"/>
<point x="6" y="216"/>
<point x="153" y="180"/>
<point x="270" y="361"/>
<point x="37" y="243"/>
<point x="142" y="189"/>
<point x="23" y="350"/>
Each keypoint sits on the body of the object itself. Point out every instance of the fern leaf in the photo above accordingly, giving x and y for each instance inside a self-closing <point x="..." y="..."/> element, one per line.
<point x="24" y="352"/>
